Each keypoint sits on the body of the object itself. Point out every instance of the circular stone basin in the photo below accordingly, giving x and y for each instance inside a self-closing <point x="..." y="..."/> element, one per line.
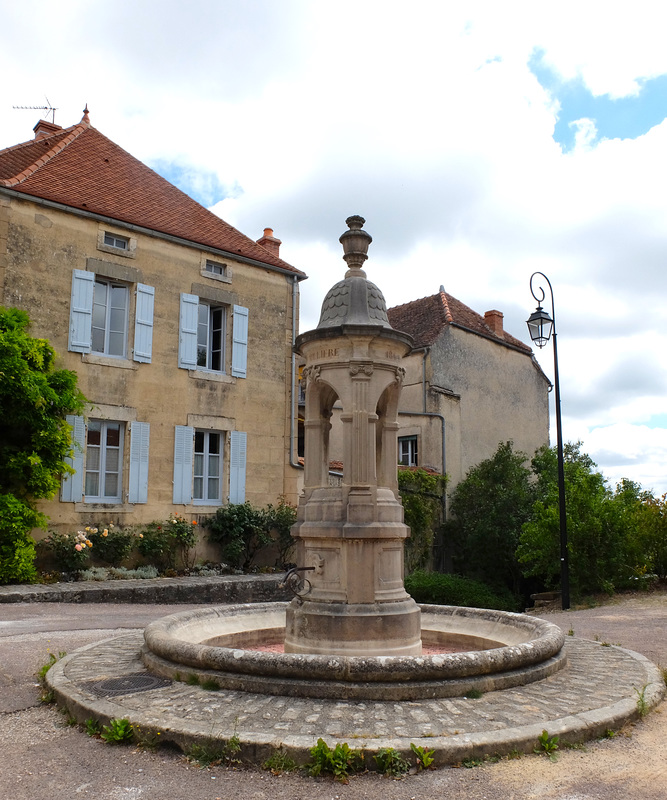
<point x="501" y="650"/>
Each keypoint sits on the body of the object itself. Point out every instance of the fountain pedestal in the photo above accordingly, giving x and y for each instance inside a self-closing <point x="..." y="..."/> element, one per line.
<point x="351" y="536"/>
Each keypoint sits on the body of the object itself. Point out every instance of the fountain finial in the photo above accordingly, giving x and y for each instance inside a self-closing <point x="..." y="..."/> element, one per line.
<point x="355" y="243"/>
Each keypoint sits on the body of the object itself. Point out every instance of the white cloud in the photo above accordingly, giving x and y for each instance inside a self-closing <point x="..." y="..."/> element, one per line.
<point x="427" y="121"/>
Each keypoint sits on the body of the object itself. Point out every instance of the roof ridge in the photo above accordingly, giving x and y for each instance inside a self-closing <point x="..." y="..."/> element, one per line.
<point x="445" y="305"/>
<point x="74" y="132"/>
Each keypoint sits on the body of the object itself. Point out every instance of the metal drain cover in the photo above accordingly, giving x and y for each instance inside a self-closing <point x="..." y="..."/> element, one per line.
<point x="138" y="682"/>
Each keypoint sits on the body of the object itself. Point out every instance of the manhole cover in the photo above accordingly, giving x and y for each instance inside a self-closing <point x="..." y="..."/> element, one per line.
<point x="140" y="682"/>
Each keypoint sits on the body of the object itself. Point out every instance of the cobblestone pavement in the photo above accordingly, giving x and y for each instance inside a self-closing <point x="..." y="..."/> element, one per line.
<point x="596" y="691"/>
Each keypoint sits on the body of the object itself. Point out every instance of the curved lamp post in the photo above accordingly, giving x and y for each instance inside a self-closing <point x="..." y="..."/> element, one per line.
<point x="540" y="327"/>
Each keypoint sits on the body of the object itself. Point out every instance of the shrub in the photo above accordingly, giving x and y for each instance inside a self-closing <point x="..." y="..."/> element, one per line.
<point x="17" y="547"/>
<point x="454" y="590"/>
<point x="35" y="399"/>
<point x="163" y="542"/>
<point x="241" y="531"/>
<point x="111" y="544"/>
<point x="278" y="520"/>
<point x="70" y="551"/>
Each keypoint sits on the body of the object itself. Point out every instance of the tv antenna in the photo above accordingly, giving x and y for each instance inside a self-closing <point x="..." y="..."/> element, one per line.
<point x="48" y="108"/>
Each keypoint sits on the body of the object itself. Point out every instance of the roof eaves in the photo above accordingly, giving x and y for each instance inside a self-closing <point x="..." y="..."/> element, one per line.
<point x="80" y="212"/>
<point x="521" y="348"/>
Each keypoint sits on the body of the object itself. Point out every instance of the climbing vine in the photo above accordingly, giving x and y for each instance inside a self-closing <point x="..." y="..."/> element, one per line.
<point x="423" y="497"/>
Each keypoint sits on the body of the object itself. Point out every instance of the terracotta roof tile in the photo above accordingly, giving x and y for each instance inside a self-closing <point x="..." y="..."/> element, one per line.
<point x="425" y="319"/>
<point x="83" y="169"/>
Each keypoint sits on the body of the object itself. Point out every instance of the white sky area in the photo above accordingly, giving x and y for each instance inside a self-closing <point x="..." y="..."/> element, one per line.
<point x="426" y="119"/>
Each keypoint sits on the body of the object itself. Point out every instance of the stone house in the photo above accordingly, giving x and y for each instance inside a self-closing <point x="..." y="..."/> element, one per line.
<point x="469" y="386"/>
<point x="179" y="327"/>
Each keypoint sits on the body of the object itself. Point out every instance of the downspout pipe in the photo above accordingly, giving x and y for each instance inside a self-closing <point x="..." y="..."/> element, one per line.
<point x="293" y="392"/>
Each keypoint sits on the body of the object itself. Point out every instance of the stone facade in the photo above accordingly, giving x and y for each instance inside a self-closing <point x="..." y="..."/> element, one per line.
<point x="165" y="429"/>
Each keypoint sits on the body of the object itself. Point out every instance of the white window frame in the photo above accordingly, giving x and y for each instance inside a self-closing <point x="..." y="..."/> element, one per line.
<point x="203" y="461"/>
<point x="412" y="444"/>
<point x="116" y="241"/>
<point x="206" y="332"/>
<point x="110" y="286"/>
<point x="102" y="470"/>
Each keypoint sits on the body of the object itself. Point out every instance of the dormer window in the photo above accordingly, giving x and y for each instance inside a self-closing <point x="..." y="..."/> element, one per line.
<point x="215" y="268"/>
<point x="119" y="242"/>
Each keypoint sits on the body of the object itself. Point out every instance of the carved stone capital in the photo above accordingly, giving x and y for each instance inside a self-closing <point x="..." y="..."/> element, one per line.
<point x="400" y="375"/>
<point x="311" y="374"/>
<point x="365" y="369"/>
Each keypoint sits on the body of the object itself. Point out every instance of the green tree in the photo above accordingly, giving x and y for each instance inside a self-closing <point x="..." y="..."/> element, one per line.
<point x="602" y="550"/>
<point x="35" y="439"/>
<point x="488" y="509"/>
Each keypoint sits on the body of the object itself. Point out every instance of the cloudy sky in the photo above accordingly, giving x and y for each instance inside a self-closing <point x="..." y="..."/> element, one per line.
<point x="482" y="141"/>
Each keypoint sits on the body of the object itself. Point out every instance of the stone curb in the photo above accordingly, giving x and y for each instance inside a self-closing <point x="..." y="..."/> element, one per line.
<point x="184" y="729"/>
<point x="212" y="590"/>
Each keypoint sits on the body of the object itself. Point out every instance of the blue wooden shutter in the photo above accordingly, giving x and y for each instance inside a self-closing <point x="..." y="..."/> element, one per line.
<point x="139" y="440"/>
<point x="143" y="323"/>
<point x="240" y="342"/>
<point x="72" y="485"/>
<point x="183" y="448"/>
<point x="237" y="465"/>
<point x="187" y="339"/>
<point x="81" y="311"/>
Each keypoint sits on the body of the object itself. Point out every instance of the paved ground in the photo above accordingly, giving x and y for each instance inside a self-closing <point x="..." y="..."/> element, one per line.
<point x="42" y="757"/>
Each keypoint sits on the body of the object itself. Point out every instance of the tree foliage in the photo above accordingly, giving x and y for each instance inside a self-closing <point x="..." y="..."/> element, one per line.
<point x="35" y="397"/>
<point x="489" y="507"/>
<point x="422" y="494"/>
<point x="606" y="530"/>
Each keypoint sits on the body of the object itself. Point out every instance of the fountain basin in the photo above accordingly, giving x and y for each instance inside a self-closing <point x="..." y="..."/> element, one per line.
<point x="501" y="650"/>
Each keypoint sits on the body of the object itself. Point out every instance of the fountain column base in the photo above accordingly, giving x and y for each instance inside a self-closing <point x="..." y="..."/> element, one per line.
<point x="354" y="629"/>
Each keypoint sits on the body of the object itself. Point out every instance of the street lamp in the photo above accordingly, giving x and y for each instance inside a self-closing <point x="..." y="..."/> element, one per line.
<point x="540" y="327"/>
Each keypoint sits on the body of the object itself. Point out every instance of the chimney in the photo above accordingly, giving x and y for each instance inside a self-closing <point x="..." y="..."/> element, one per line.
<point x="270" y="242"/>
<point x="44" y="128"/>
<point x="494" y="319"/>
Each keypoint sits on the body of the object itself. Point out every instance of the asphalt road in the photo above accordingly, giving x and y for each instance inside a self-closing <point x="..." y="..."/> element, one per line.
<point x="41" y="757"/>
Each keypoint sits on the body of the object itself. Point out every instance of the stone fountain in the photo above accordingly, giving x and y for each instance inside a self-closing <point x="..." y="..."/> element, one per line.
<point x="352" y="631"/>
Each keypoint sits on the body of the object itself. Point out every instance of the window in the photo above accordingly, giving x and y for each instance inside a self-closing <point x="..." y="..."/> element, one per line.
<point x="97" y="460"/>
<point x="99" y="317"/>
<point x="109" y="322"/>
<point x="213" y="268"/>
<point x="207" y="468"/>
<point x="198" y="466"/>
<point x="203" y="335"/>
<point x="211" y="337"/>
<point x="112" y="240"/>
<point x="407" y="451"/>
<point x="104" y="461"/>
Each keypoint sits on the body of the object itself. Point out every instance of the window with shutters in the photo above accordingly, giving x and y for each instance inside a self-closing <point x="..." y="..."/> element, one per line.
<point x="207" y="340"/>
<point x="100" y="317"/>
<point x="201" y="466"/>
<point x="100" y="463"/>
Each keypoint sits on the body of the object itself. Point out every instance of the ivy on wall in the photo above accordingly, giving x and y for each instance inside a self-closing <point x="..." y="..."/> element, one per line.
<point x="423" y="496"/>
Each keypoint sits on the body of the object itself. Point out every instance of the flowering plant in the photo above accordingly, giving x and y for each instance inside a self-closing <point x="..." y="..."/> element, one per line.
<point x="112" y="543"/>
<point x="162" y="542"/>
<point x="70" y="551"/>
